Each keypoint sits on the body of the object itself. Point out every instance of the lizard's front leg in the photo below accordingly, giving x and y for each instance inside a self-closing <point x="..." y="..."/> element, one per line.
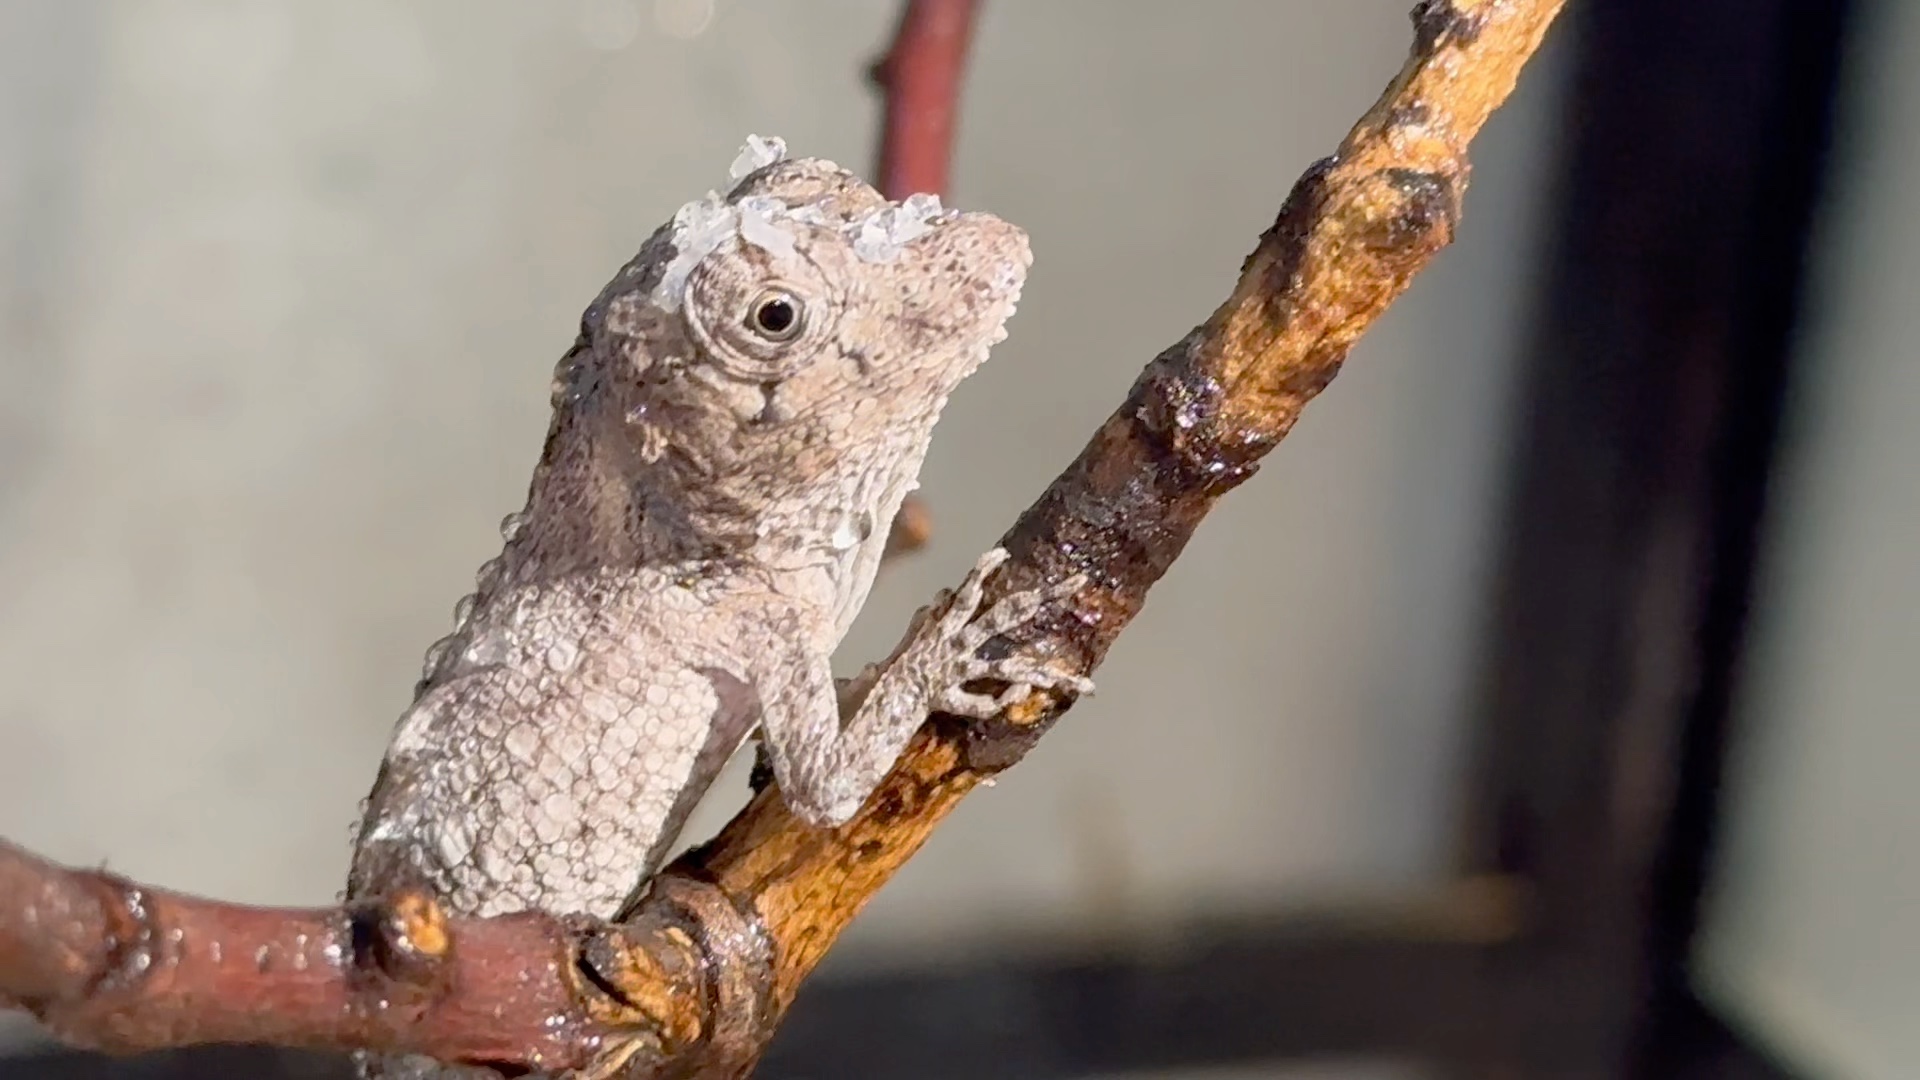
<point x="827" y="768"/>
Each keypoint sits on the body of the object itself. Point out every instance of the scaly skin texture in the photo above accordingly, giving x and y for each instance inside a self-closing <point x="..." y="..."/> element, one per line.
<point x="747" y="404"/>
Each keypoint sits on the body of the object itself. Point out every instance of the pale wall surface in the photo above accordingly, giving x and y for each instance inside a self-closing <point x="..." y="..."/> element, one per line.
<point x="1814" y="938"/>
<point x="283" y="284"/>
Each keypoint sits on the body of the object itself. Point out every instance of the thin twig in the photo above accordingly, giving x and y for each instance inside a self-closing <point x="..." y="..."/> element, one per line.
<point x="700" y="976"/>
<point x="920" y="78"/>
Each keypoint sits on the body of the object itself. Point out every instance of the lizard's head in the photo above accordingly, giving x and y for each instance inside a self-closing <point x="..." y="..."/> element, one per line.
<point x="803" y="291"/>
<point x="796" y="338"/>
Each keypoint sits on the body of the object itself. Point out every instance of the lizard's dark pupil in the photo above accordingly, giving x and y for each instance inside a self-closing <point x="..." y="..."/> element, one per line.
<point x="776" y="316"/>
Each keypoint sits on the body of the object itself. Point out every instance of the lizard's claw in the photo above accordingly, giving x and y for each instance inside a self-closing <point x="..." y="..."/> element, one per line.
<point x="969" y="628"/>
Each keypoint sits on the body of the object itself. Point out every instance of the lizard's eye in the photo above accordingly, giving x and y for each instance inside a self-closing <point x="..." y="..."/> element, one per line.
<point x="756" y="327"/>
<point x="776" y="316"/>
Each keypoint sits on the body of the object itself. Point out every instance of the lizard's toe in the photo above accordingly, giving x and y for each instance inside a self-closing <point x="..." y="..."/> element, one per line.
<point x="1023" y="675"/>
<point x="973" y="706"/>
<point x="1041" y="675"/>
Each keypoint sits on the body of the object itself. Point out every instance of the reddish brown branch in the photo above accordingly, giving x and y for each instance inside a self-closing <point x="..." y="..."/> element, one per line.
<point x="921" y="76"/>
<point x="920" y="79"/>
<point x="108" y="964"/>
<point x="701" y="975"/>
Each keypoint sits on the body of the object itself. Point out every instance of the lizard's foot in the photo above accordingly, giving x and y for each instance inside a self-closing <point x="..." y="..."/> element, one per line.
<point x="964" y="628"/>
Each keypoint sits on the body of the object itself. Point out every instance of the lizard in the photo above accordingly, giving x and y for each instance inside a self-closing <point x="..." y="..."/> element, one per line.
<point x="745" y="407"/>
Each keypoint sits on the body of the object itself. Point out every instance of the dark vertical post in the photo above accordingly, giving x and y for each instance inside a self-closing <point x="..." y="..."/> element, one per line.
<point x="1696" y="136"/>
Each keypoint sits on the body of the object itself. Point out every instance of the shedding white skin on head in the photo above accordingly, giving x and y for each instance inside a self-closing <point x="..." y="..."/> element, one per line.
<point x="709" y="223"/>
<point x="758" y="215"/>
<point x="758" y="153"/>
<point x="881" y="235"/>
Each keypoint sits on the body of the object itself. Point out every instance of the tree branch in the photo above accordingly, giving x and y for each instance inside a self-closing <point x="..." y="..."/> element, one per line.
<point x="1348" y="240"/>
<point x="697" y="979"/>
<point x="116" y="966"/>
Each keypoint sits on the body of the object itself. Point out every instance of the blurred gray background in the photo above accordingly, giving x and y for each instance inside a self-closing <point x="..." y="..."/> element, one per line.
<point x="283" y="284"/>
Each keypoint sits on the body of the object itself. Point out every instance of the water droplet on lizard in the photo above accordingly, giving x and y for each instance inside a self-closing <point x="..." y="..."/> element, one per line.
<point x="488" y="575"/>
<point x="436" y="652"/>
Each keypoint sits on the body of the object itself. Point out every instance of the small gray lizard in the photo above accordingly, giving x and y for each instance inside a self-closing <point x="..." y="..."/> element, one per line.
<point x="747" y="404"/>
